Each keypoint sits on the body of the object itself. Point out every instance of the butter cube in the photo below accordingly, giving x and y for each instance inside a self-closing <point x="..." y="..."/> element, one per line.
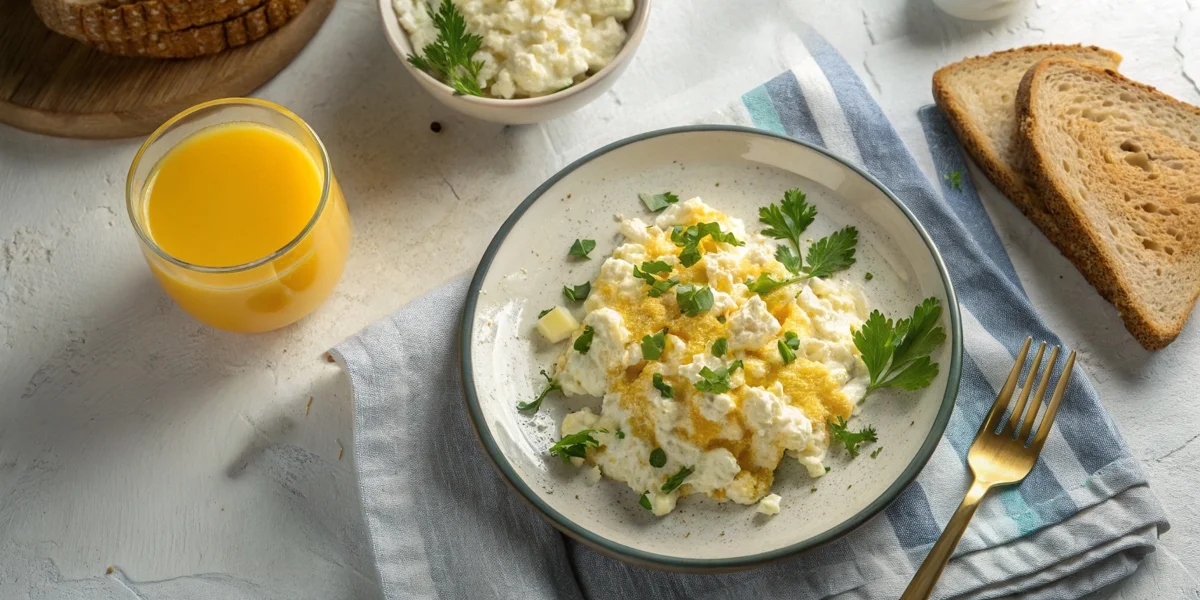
<point x="557" y="325"/>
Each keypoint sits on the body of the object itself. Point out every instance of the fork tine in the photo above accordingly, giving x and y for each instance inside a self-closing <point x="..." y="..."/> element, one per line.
<point x="1010" y="427"/>
<point x="1038" y="397"/>
<point x="993" y="419"/>
<point x="1052" y="411"/>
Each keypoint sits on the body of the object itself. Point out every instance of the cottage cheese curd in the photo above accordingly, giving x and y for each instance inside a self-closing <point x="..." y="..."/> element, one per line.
<point x="530" y="47"/>
<point x="731" y="439"/>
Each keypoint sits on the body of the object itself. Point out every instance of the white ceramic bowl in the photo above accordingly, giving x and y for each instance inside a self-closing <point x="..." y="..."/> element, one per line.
<point x="519" y="111"/>
<point x="736" y="170"/>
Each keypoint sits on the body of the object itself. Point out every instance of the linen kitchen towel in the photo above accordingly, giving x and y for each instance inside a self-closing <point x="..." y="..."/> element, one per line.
<point x="443" y="524"/>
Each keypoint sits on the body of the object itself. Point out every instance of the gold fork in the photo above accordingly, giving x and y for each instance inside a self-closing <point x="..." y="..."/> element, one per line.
<point x="997" y="458"/>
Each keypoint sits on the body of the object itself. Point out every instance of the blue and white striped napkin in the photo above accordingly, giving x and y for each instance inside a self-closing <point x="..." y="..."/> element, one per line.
<point x="1083" y="519"/>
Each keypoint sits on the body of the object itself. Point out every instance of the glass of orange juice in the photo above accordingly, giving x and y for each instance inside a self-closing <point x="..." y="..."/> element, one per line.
<point x="239" y="215"/>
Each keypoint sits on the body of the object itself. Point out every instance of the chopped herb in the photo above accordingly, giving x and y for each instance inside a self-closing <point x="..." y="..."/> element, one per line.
<point x="644" y="501"/>
<point x="583" y="343"/>
<point x="552" y="385"/>
<point x="658" y="458"/>
<point x="789" y="219"/>
<point x="646" y="273"/>
<point x="657" y="202"/>
<point x="875" y="452"/>
<point x="868" y="276"/>
<point x="577" y="293"/>
<point x="719" y="347"/>
<point x="660" y="287"/>
<point x="851" y="439"/>
<point x="574" y="445"/>
<point x="689" y="239"/>
<point x="827" y="469"/>
<point x="450" y="58"/>
<point x="897" y="355"/>
<point x="694" y="300"/>
<point x="813" y="490"/>
<point x="676" y="480"/>
<point x="581" y="248"/>
<point x="788" y="346"/>
<point x="721" y="319"/>
<point x="833" y="253"/>
<point x="955" y="179"/>
<point x="544" y="312"/>
<point x="717" y="382"/>
<point x="764" y="284"/>
<point x="620" y="434"/>
<point x="662" y="386"/>
<point x="652" y="345"/>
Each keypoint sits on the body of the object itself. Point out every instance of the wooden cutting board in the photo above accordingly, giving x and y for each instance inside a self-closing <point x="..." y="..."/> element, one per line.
<point x="52" y="84"/>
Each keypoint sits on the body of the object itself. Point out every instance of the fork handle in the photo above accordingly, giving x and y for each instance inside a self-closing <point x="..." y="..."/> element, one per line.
<point x="922" y="584"/>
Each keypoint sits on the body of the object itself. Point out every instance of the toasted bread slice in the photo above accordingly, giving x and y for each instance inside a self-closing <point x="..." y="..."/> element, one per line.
<point x="977" y="94"/>
<point x="1118" y="164"/>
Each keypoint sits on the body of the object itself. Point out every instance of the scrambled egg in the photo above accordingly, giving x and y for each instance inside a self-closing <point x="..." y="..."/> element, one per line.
<point x="732" y="441"/>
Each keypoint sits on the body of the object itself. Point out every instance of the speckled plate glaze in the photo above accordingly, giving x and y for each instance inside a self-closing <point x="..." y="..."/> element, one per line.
<point x="736" y="170"/>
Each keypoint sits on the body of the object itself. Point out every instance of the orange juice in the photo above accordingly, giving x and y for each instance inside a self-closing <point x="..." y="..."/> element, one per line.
<point x="243" y="223"/>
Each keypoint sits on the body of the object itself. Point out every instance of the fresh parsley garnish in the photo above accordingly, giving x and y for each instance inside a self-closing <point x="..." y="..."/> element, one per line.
<point x="652" y="345"/>
<point x="620" y="434"/>
<point x="719" y="347"/>
<point x="575" y="445"/>
<point x="658" y="458"/>
<point x="955" y="179"/>
<point x="449" y="58"/>
<point x="694" y="300"/>
<point x="851" y="439"/>
<point x="544" y="312"/>
<point x="577" y="293"/>
<point x="689" y="239"/>
<point x="644" y="501"/>
<point x="662" y="386"/>
<point x="717" y="382"/>
<point x="789" y="219"/>
<point x="875" y="452"/>
<point x="868" y="276"/>
<point x="581" y="248"/>
<point x="647" y="271"/>
<point x="583" y="343"/>
<point x="552" y="385"/>
<point x="676" y="480"/>
<point x="657" y="202"/>
<point x="789" y="258"/>
<point x="788" y="346"/>
<point x="897" y="355"/>
<point x="764" y="284"/>
<point x="831" y="254"/>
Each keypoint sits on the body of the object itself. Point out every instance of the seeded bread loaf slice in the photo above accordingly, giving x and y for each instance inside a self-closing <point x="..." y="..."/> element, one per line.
<point x="977" y="95"/>
<point x="1118" y="164"/>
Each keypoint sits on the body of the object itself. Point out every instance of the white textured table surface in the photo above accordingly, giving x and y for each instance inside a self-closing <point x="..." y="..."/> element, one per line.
<point x="132" y="436"/>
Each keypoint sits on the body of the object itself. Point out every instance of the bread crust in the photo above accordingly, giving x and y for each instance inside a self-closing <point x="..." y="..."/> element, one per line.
<point x="1085" y="248"/>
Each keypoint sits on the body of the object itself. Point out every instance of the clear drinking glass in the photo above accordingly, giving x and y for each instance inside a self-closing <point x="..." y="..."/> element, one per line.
<point x="271" y="291"/>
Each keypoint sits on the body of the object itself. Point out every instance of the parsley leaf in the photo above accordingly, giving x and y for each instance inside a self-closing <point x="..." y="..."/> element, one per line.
<point x="583" y="343"/>
<point x="851" y="439"/>
<point x="719" y="347"/>
<point x="574" y="445"/>
<point x="660" y="287"/>
<point x="662" y="386"/>
<point x="658" y="458"/>
<point x="955" y="179"/>
<point x="644" y="501"/>
<point x="552" y="385"/>
<point x="789" y="258"/>
<point x="449" y="58"/>
<point x="717" y="382"/>
<point x="652" y="345"/>
<point x="764" y="284"/>
<point x="657" y="202"/>
<point x="897" y="355"/>
<point x="875" y="452"/>
<point x="544" y="312"/>
<point x="577" y="293"/>
<point x="789" y="219"/>
<point x="689" y="239"/>
<point x="868" y="276"/>
<point x="646" y="273"/>
<point x="676" y="480"/>
<point x="833" y="253"/>
<point x="620" y="434"/>
<point x="788" y="346"/>
<point x="694" y="300"/>
<point x="581" y="248"/>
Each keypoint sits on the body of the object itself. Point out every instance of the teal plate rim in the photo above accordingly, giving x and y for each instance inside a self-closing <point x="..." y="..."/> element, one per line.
<point x="660" y="561"/>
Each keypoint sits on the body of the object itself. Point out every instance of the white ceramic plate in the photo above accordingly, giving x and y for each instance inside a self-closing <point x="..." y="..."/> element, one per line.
<point x="735" y="170"/>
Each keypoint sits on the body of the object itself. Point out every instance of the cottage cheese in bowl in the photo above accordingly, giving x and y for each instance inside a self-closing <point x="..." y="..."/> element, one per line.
<point x="530" y="47"/>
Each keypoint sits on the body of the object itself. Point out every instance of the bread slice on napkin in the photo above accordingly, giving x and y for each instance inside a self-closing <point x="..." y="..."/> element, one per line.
<point x="1118" y="164"/>
<point x="977" y="94"/>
